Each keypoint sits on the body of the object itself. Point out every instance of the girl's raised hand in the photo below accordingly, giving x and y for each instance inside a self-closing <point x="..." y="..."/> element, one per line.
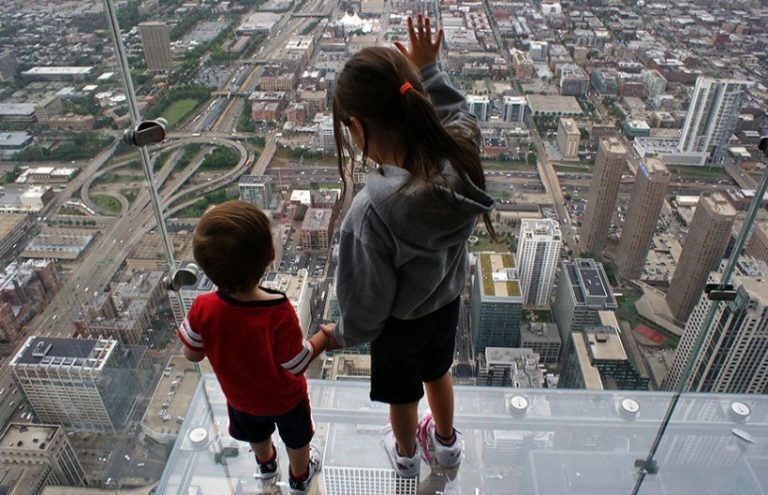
<point x="423" y="51"/>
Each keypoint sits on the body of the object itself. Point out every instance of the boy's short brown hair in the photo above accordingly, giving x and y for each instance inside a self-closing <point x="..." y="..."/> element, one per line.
<point x="233" y="245"/>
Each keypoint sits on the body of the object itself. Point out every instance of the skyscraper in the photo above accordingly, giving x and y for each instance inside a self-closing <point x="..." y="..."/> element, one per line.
<point x="707" y="239"/>
<point x="157" y="45"/>
<point x="479" y="106"/>
<point x="582" y="292"/>
<point x="497" y="302"/>
<point x="46" y="445"/>
<point x="7" y="65"/>
<point x="568" y="136"/>
<point x="538" y="251"/>
<point x="514" y="108"/>
<point x="734" y="355"/>
<point x="712" y="117"/>
<point x="645" y="206"/>
<point x="603" y="191"/>
<point x="90" y="385"/>
<point x="256" y="189"/>
<point x="354" y="480"/>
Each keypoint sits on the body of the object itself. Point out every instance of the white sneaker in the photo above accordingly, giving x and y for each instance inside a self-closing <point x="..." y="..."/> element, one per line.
<point x="405" y="467"/>
<point x="300" y="487"/>
<point x="434" y="452"/>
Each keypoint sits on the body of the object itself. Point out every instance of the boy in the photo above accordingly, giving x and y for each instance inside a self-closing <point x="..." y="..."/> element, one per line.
<point x="253" y="340"/>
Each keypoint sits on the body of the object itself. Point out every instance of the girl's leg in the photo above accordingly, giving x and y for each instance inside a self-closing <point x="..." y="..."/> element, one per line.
<point x="440" y="398"/>
<point x="263" y="450"/>
<point x="405" y="421"/>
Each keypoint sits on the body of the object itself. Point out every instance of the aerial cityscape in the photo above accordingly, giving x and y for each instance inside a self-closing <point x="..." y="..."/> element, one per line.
<point x="621" y="143"/>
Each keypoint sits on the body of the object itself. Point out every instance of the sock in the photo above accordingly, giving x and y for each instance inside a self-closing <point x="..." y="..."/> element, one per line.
<point x="400" y="453"/>
<point x="272" y="458"/>
<point x="447" y="442"/>
<point x="303" y="476"/>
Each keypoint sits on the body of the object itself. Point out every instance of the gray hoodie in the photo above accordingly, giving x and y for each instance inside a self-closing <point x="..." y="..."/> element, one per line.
<point x="403" y="252"/>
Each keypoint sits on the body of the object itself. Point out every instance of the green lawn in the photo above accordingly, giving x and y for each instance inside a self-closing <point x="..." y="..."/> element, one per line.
<point x="499" y="194"/>
<point x="178" y="110"/>
<point x="698" y="172"/>
<point x="106" y="203"/>
<point x="507" y="165"/>
<point x="572" y="169"/>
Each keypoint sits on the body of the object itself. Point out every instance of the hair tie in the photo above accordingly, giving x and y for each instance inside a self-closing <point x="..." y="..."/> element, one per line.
<point x="405" y="88"/>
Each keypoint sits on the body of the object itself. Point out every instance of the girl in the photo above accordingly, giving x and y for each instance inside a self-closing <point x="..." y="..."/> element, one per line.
<point x="402" y="254"/>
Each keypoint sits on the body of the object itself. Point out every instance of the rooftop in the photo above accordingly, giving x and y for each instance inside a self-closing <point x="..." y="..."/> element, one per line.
<point x="317" y="219"/>
<point x="569" y="125"/>
<point x="537" y="442"/>
<point x="498" y="275"/>
<point x="22" y="436"/>
<point x="543" y="226"/>
<point x="54" y="351"/>
<point x="554" y="104"/>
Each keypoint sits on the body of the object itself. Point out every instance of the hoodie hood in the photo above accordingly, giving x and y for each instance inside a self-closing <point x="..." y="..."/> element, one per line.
<point x="431" y="217"/>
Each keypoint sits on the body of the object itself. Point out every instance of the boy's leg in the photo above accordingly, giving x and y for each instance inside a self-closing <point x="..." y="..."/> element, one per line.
<point x="299" y="461"/>
<point x="405" y="421"/>
<point x="440" y="398"/>
<point x="264" y="450"/>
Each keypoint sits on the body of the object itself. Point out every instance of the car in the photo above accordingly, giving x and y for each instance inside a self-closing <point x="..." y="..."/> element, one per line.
<point x="127" y="457"/>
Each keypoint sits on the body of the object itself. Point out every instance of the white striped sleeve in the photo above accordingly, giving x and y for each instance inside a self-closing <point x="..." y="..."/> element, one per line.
<point x="189" y="337"/>
<point x="298" y="363"/>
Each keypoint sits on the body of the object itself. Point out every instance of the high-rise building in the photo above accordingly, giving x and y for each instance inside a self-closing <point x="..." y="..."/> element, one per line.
<point x="317" y="229"/>
<point x="603" y="191"/>
<point x="645" y="205"/>
<point x="733" y="358"/>
<point x="573" y="80"/>
<point x="538" y="51"/>
<point x="7" y="65"/>
<point x="509" y="367"/>
<point x="595" y="359"/>
<point x="582" y="292"/>
<point x="757" y="247"/>
<point x="497" y="302"/>
<point x="654" y="82"/>
<point x="34" y="444"/>
<point x="543" y="339"/>
<point x="538" y="251"/>
<point x="155" y="36"/>
<point x="90" y="385"/>
<point x="708" y="236"/>
<point x="712" y="117"/>
<point x="297" y="290"/>
<point x="257" y="190"/>
<point x="568" y="137"/>
<point x="479" y="106"/>
<point x="514" y="109"/>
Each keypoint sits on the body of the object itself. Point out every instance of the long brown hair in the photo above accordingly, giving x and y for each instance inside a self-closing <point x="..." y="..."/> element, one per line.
<point x="368" y="88"/>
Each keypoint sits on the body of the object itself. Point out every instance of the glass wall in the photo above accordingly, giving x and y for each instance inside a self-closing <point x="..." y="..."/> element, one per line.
<point x="622" y="307"/>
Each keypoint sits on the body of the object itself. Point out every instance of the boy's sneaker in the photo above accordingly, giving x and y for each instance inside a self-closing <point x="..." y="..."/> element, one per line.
<point x="404" y="466"/>
<point x="432" y="450"/>
<point x="268" y="470"/>
<point x="300" y="487"/>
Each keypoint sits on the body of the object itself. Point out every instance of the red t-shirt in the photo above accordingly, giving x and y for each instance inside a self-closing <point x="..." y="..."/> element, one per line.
<point x="256" y="349"/>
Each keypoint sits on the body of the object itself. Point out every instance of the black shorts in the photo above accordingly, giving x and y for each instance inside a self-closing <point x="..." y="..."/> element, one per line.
<point x="295" y="426"/>
<point x="410" y="352"/>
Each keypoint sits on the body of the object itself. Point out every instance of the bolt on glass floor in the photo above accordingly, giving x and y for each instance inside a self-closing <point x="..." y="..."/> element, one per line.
<point x="519" y="441"/>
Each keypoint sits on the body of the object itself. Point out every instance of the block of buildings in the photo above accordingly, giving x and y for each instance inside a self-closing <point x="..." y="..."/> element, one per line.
<point x="734" y="359"/>
<point x="708" y="236"/>
<point x="582" y="292"/>
<point x="603" y="192"/>
<point x="538" y="254"/>
<point x="88" y="385"/>
<point x="647" y="200"/>
<point x="509" y="367"/>
<point x="568" y="137"/>
<point x="44" y="446"/>
<point x="595" y="359"/>
<point x="497" y="302"/>
<point x="543" y="339"/>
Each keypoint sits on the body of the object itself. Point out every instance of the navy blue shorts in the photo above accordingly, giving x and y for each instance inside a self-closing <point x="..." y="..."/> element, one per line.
<point x="295" y="427"/>
<point x="410" y="352"/>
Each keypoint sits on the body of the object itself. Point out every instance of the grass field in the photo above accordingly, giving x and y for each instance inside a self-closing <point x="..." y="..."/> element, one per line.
<point x="698" y="172"/>
<point x="106" y="203"/>
<point x="178" y="110"/>
<point x="507" y="165"/>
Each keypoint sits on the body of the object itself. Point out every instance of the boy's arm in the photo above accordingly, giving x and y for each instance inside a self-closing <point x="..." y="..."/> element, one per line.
<point x="292" y="351"/>
<point x="191" y="341"/>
